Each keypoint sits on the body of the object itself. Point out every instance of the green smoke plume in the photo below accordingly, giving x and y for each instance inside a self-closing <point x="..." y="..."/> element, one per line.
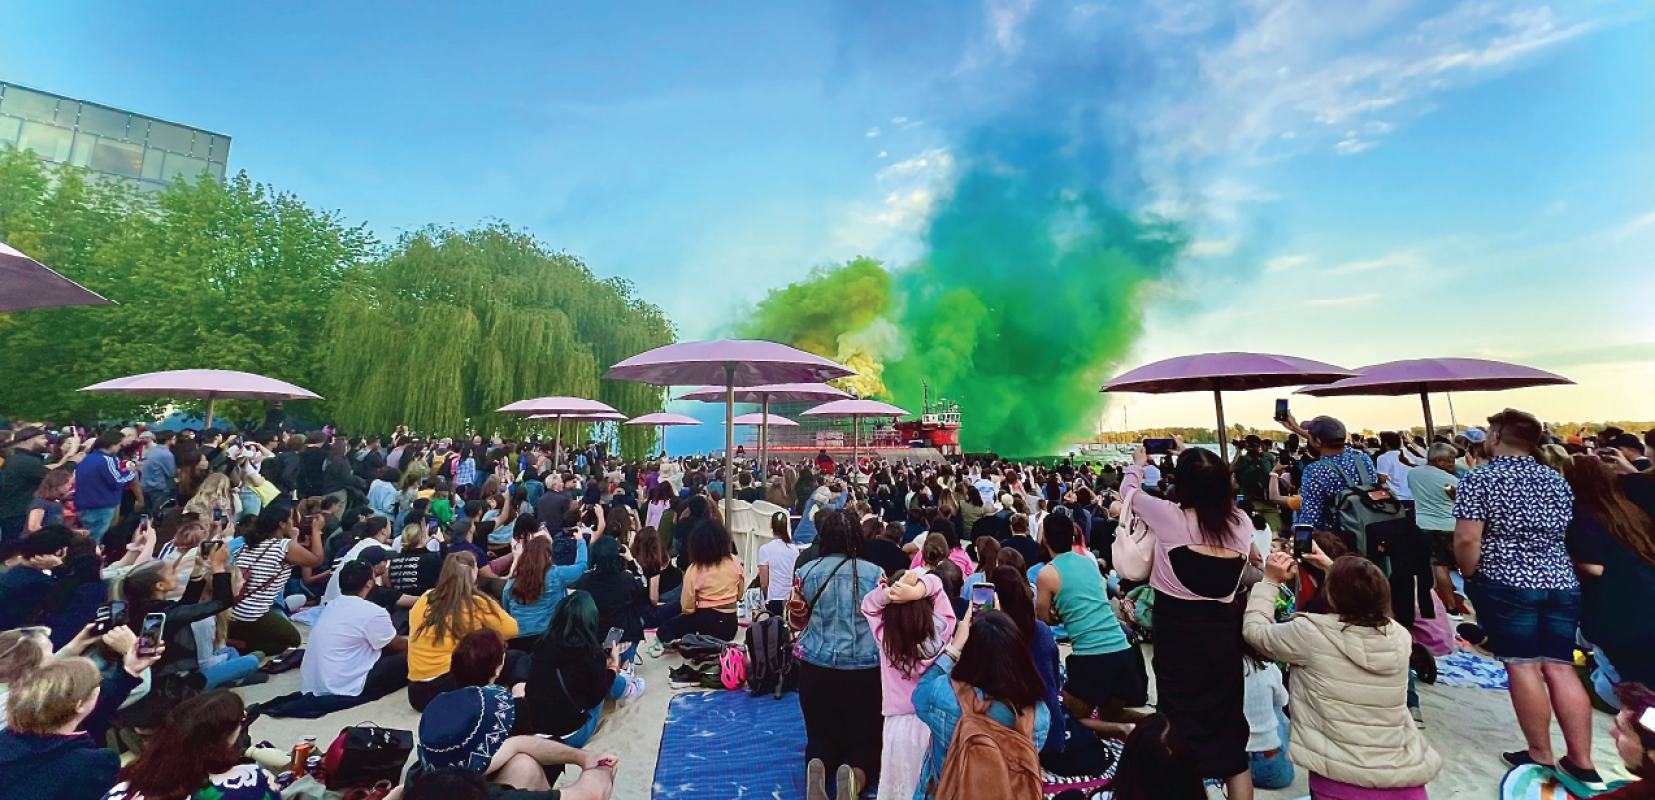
<point x="1030" y="291"/>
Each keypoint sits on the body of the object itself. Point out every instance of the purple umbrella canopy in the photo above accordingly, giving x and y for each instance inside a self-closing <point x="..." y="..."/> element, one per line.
<point x="723" y="361"/>
<point x="585" y="416"/>
<point x="664" y="418"/>
<point x="855" y="408"/>
<point x="550" y="407"/>
<point x="1418" y="375"/>
<point x="775" y="393"/>
<point x="26" y="283"/>
<point x="1222" y="372"/>
<point x="1422" y="376"/>
<point x="764" y="419"/>
<point x="1225" y="372"/>
<point x="209" y="384"/>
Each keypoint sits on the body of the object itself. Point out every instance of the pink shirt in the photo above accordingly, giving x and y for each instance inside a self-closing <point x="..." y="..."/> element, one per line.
<point x="1169" y="528"/>
<point x="958" y="556"/>
<point x="898" y="689"/>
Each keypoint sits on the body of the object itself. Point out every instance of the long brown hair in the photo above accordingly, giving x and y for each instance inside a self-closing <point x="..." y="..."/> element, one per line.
<point x="909" y="634"/>
<point x="451" y="608"/>
<point x="1597" y="490"/>
<point x="528" y="577"/>
<point x="1359" y="592"/>
<point x="648" y="552"/>
<point x="193" y="745"/>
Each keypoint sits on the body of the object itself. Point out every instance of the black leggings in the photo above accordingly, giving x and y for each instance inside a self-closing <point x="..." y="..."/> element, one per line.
<point x="843" y="720"/>
<point x="709" y="621"/>
<point x="421" y="693"/>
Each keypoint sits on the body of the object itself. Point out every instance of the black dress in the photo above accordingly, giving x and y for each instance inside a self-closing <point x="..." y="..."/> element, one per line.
<point x="1198" y="671"/>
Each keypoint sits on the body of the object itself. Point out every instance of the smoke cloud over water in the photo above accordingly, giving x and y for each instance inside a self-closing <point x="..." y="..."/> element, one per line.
<point x="1029" y="291"/>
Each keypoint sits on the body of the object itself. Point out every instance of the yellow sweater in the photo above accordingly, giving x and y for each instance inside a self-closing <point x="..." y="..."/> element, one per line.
<point x="428" y="658"/>
<point x="712" y="587"/>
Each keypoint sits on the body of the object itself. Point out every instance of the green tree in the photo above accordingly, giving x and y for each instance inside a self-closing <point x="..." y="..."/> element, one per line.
<point x="204" y="274"/>
<point x="453" y="325"/>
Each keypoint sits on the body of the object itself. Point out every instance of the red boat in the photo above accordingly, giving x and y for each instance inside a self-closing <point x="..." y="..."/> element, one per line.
<point x="938" y="426"/>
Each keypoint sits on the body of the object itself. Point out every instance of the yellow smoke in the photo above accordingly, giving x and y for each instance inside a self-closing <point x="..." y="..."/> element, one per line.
<point x="866" y="382"/>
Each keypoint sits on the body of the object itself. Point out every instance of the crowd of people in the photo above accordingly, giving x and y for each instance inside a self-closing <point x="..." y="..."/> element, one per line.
<point x="956" y="629"/>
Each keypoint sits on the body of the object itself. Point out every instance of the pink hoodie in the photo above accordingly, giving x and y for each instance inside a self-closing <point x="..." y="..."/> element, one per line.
<point x="898" y="688"/>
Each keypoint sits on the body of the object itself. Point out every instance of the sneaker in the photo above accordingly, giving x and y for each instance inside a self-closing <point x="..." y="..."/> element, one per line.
<point x="1588" y="777"/>
<point x="1518" y="758"/>
<point x="844" y="782"/>
<point x="816" y="780"/>
<point x="1423" y="665"/>
<point x="655" y="649"/>
<point x="1471" y="633"/>
<point x="634" y="688"/>
<point x="1419" y="719"/>
<point x="684" y="677"/>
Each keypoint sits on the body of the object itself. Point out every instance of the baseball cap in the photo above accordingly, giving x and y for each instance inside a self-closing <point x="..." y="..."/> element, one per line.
<point x="1474" y="434"/>
<point x="1326" y="429"/>
<point x="373" y="556"/>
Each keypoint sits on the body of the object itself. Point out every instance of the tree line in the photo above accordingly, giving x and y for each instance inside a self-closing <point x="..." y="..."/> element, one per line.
<point x="433" y="331"/>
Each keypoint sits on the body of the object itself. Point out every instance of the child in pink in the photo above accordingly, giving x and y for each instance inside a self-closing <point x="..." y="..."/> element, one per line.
<point x="907" y="739"/>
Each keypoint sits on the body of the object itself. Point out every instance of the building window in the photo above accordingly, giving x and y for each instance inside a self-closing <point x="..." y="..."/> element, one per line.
<point x="20" y="102"/>
<point x="137" y="130"/>
<point x="118" y="158"/>
<point x="171" y="137"/>
<point x="102" y="121"/>
<point x="153" y="161"/>
<point x="47" y="141"/>
<point x="81" y="156"/>
<point x="9" y="127"/>
<point x="182" y="165"/>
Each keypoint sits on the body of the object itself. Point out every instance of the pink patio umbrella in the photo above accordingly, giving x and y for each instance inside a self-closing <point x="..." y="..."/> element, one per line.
<point x="1221" y="372"/>
<point x="857" y="410"/>
<point x="731" y="363"/>
<point x="754" y="420"/>
<point x="26" y="283"/>
<point x="764" y="395"/>
<point x="1423" y="376"/>
<point x="664" y="420"/>
<point x="558" y="408"/>
<point x="208" y="384"/>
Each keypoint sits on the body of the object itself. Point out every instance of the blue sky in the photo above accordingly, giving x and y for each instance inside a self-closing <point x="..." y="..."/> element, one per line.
<point x="1362" y="181"/>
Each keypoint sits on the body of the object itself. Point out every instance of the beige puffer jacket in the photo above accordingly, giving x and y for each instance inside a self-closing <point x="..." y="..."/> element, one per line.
<point x="1349" y="690"/>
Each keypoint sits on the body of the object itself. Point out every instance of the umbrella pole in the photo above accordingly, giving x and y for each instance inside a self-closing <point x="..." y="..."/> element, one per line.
<point x="1223" y="433"/>
<point x="764" y="441"/>
<point x="211" y="401"/>
<point x="855" y="447"/>
<point x="1430" y="430"/>
<point x="557" y="447"/>
<point x="729" y="436"/>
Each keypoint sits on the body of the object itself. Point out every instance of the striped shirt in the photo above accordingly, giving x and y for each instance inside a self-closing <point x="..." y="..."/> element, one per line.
<point x="261" y="564"/>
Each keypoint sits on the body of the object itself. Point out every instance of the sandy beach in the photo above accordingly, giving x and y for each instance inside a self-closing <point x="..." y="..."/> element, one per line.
<point x="1469" y="727"/>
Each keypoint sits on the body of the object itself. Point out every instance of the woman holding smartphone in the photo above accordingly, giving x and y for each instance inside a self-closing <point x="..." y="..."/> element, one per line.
<point x="572" y="673"/>
<point x="146" y="591"/>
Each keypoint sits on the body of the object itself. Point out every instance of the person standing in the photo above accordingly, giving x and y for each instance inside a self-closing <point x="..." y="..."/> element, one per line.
<point x="99" y="481"/>
<point x="1433" y="486"/>
<point x="1253" y="467"/>
<point x="24" y="469"/>
<point x="1511" y="515"/>
<point x="1394" y="463"/>
<point x="158" y="474"/>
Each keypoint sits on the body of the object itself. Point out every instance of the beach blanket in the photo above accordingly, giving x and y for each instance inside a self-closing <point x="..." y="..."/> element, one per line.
<point x="724" y="745"/>
<point x="1469" y="669"/>
<point x="1534" y="782"/>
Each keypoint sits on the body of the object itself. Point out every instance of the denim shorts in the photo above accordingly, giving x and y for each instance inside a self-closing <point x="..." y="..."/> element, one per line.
<point x="1526" y="624"/>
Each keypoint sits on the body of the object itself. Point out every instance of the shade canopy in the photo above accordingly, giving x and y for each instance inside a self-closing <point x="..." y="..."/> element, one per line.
<point x="725" y="362"/>
<point x="764" y="419"/>
<point x="775" y="393"/>
<point x="591" y="416"/>
<point x="664" y="418"/>
<point x="1427" y="375"/>
<point x="26" y="283"/>
<point x="206" y="383"/>
<point x="855" y="408"/>
<point x="1225" y="372"/>
<point x="548" y="407"/>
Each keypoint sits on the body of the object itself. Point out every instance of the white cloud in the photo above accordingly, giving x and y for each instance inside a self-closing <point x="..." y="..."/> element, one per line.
<point x="1208" y="249"/>
<point x="883" y="154"/>
<point x="1340" y="302"/>
<point x="898" y="120"/>
<point x="935" y="162"/>
<point x="1283" y="263"/>
<point x="1393" y="260"/>
<point x="1635" y="226"/>
<point x="872" y="132"/>
<point x="1352" y="146"/>
<point x="1004" y="18"/>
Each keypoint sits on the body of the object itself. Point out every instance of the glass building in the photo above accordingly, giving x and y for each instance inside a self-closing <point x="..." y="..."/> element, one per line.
<point x="150" y="151"/>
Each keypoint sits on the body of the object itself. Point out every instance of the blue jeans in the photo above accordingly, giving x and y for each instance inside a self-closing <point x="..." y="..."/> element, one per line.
<point x="580" y="737"/>
<point x="97" y="521"/>
<point x="250" y="503"/>
<point x="1526" y="624"/>
<point x="1273" y="772"/>
<point x="229" y="671"/>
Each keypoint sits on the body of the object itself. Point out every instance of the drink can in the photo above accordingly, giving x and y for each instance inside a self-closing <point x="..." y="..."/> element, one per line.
<point x="313" y="765"/>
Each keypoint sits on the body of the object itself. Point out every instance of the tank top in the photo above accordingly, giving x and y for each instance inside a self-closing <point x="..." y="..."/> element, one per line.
<point x="1083" y="603"/>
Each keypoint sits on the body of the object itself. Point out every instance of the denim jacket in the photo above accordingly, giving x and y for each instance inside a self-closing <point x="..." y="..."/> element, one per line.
<point x="838" y="635"/>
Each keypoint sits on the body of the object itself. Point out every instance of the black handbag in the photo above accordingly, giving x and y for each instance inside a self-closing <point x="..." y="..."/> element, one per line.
<point x="366" y="754"/>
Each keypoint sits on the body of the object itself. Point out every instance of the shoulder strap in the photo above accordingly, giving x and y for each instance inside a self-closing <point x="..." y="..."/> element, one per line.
<point x="249" y="592"/>
<point x="812" y="605"/>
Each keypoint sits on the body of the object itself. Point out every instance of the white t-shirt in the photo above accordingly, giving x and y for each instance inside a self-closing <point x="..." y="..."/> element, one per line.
<point x="344" y="644"/>
<point x="780" y="556"/>
<point x="1152" y="475"/>
<point x="1264" y="694"/>
<point x="332" y="592"/>
<point x="1390" y="464"/>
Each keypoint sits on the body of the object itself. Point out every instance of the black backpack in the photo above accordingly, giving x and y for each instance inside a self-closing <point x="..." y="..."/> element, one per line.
<point x="1365" y="514"/>
<point x="770" y="646"/>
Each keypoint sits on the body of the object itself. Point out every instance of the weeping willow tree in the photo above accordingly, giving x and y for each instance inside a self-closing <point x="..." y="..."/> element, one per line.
<point x="452" y="325"/>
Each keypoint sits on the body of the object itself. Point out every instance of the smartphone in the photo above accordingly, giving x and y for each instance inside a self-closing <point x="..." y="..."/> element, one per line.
<point x="218" y="516"/>
<point x="982" y="597"/>
<point x="110" y="616"/>
<point x="209" y="546"/>
<point x="143" y="520"/>
<point x="613" y="638"/>
<point x="1301" y="540"/>
<point x="1159" y="447"/>
<point x="1281" y="409"/>
<point x="149" y="638"/>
